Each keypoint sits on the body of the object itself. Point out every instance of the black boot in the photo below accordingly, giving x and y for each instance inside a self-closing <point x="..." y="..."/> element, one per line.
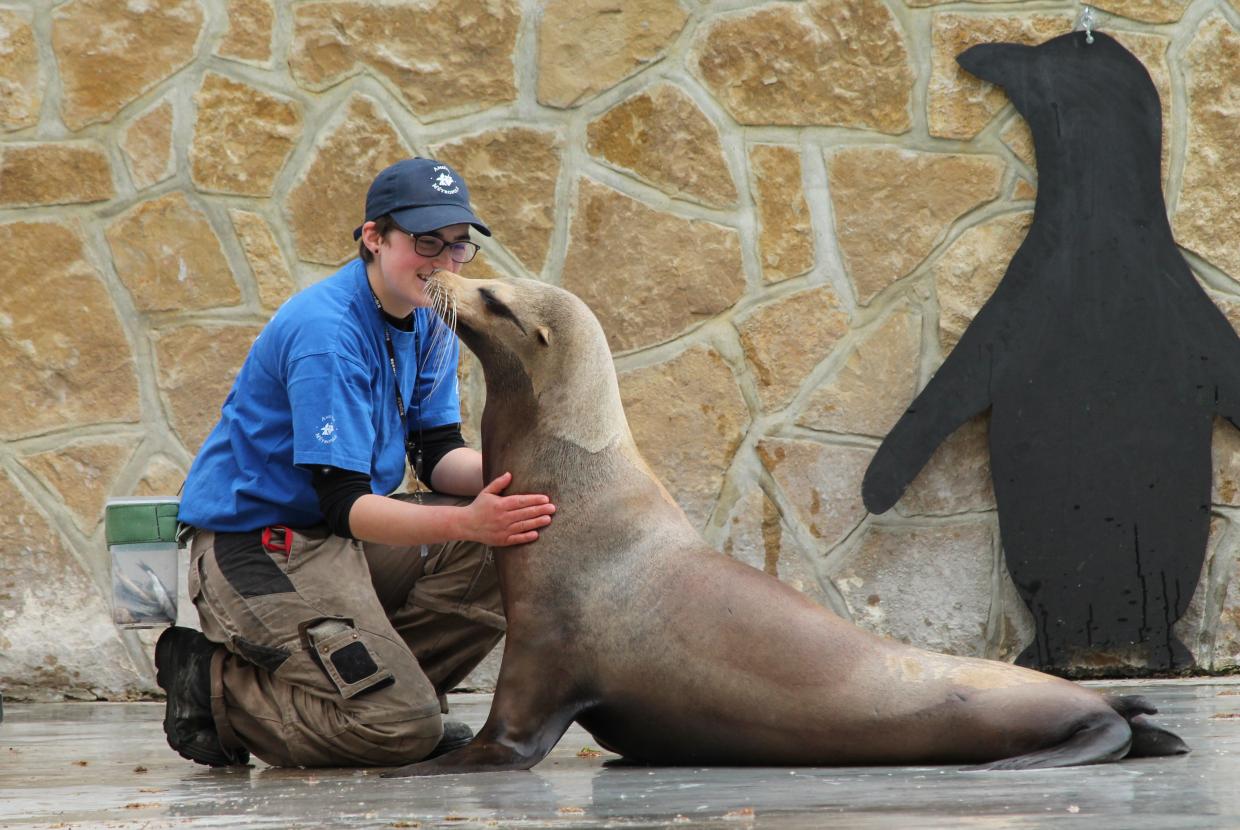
<point x="183" y="670"/>
<point x="455" y="736"/>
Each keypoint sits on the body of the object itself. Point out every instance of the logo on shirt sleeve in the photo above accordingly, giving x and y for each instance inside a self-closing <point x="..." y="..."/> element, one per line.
<point x="326" y="433"/>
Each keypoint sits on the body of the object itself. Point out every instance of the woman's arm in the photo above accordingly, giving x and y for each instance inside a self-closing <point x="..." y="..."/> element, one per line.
<point x="458" y="472"/>
<point x="490" y="518"/>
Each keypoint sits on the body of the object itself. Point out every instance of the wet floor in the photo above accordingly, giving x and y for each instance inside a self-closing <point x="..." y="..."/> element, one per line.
<point x="80" y="765"/>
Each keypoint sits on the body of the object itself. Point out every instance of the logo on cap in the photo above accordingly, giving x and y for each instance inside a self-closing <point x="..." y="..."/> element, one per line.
<point x="444" y="182"/>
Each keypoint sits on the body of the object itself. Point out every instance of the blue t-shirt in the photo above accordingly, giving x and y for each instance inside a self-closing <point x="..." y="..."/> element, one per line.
<point x="316" y="390"/>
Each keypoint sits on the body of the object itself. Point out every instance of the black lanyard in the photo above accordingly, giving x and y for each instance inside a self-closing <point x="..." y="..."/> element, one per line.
<point x="413" y="450"/>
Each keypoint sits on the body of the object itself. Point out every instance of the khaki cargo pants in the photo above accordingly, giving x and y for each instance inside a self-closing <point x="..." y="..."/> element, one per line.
<point x="339" y="652"/>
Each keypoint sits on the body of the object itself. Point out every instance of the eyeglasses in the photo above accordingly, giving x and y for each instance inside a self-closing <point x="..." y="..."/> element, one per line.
<point x="430" y="246"/>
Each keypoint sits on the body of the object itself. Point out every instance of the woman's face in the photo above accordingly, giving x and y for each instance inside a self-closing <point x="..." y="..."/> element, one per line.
<point x="404" y="271"/>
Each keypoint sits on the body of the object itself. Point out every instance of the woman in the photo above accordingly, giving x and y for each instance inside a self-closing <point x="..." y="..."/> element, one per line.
<point x="335" y="616"/>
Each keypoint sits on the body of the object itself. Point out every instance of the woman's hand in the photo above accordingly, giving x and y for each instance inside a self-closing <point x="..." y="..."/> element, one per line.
<point x="500" y="521"/>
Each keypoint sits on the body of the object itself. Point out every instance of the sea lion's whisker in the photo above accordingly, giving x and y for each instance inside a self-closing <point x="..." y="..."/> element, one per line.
<point x="443" y="304"/>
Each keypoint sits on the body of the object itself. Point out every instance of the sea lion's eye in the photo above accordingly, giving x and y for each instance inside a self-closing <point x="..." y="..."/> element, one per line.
<point x="496" y="306"/>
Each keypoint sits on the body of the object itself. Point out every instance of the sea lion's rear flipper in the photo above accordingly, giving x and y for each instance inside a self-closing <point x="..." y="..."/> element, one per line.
<point x="1101" y="739"/>
<point x="1148" y="738"/>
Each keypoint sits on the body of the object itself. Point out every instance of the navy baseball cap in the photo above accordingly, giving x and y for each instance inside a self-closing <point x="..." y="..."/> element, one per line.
<point x="421" y="194"/>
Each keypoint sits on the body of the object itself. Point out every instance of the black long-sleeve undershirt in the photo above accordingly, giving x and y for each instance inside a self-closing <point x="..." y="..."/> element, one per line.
<point x="338" y="488"/>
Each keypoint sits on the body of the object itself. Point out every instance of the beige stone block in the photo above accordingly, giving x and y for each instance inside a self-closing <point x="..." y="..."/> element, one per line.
<point x="1014" y="629"/>
<point x="1024" y="191"/>
<point x="960" y="105"/>
<point x="663" y="137"/>
<point x="1147" y="11"/>
<point x="892" y="207"/>
<point x="109" y="53"/>
<point x="484" y="267"/>
<point x="587" y="46"/>
<point x="83" y="474"/>
<point x="512" y="174"/>
<point x="248" y="36"/>
<point x="1206" y="220"/>
<point x="329" y="199"/>
<point x="147" y="145"/>
<point x="242" y="137"/>
<point x="786" y="338"/>
<point x="956" y="479"/>
<point x="785" y="232"/>
<point x="926" y="586"/>
<point x="168" y="256"/>
<point x="196" y="366"/>
<point x="757" y="536"/>
<point x="688" y="417"/>
<point x="21" y="94"/>
<point x="54" y="173"/>
<point x="45" y="593"/>
<point x="1225" y="449"/>
<point x="1019" y="139"/>
<point x="271" y="272"/>
<point x="649" y="276"/>
<point x="821" y="482"/>
<point x="836" y="63"/>
<point x="872" y="389"/>
<point x="970" y="270"/>
<point x="160" y="477"/>
<point x="69" y="358"/>
<point x="443" y="57"/>
<point x="1197" y="628"/>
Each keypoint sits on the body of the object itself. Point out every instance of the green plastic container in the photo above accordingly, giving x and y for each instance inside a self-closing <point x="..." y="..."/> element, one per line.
<point x="142" y="543"/>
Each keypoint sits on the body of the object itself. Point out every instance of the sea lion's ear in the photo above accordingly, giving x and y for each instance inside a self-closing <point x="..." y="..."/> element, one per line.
<point x="544" y="335"/>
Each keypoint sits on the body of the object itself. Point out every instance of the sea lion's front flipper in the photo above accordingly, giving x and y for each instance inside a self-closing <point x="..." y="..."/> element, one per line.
<point x="529" y="714"/>
<point x="500" y="745"/>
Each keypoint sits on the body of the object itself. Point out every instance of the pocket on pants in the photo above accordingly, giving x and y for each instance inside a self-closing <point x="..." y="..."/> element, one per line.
<point x="346" y="659"/>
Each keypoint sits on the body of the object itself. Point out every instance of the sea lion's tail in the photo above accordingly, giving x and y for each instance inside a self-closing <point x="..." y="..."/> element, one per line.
<point x="1148" y="738"/>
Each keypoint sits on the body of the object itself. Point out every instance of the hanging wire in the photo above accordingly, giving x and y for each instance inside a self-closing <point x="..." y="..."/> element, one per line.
<point x="1087" y="21"/>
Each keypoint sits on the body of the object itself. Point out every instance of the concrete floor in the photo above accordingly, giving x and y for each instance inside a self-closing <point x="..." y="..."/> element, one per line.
<point x="85" y="765"/>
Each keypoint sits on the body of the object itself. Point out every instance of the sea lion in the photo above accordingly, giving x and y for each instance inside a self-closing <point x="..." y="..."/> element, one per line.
<point x="1103" y="364"/>
<point x="622" y="618"/>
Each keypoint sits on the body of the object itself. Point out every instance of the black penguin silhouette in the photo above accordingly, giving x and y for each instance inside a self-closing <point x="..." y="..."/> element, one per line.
<point x="1103" y="364"/>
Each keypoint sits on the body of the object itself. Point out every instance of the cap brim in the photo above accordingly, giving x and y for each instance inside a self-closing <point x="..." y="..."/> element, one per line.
<point x="426" y="218"/>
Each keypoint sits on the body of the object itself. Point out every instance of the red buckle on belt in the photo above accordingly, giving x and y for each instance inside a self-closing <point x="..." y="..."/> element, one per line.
<point x="283" y="545"/>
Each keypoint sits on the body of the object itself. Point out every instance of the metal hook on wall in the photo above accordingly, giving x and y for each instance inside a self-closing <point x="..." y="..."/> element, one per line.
<point x="1087" y="21"/>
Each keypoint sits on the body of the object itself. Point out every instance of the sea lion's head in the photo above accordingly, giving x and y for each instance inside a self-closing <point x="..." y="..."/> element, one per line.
<point x="542" y="350"/>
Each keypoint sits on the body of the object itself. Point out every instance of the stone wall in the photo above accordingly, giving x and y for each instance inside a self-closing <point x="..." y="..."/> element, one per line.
<point x="784" y="213"/>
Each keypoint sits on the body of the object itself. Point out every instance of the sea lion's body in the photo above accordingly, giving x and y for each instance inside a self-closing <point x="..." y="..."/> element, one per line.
<point x="1103" y="364"/>
<point x="622" y="618"/>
